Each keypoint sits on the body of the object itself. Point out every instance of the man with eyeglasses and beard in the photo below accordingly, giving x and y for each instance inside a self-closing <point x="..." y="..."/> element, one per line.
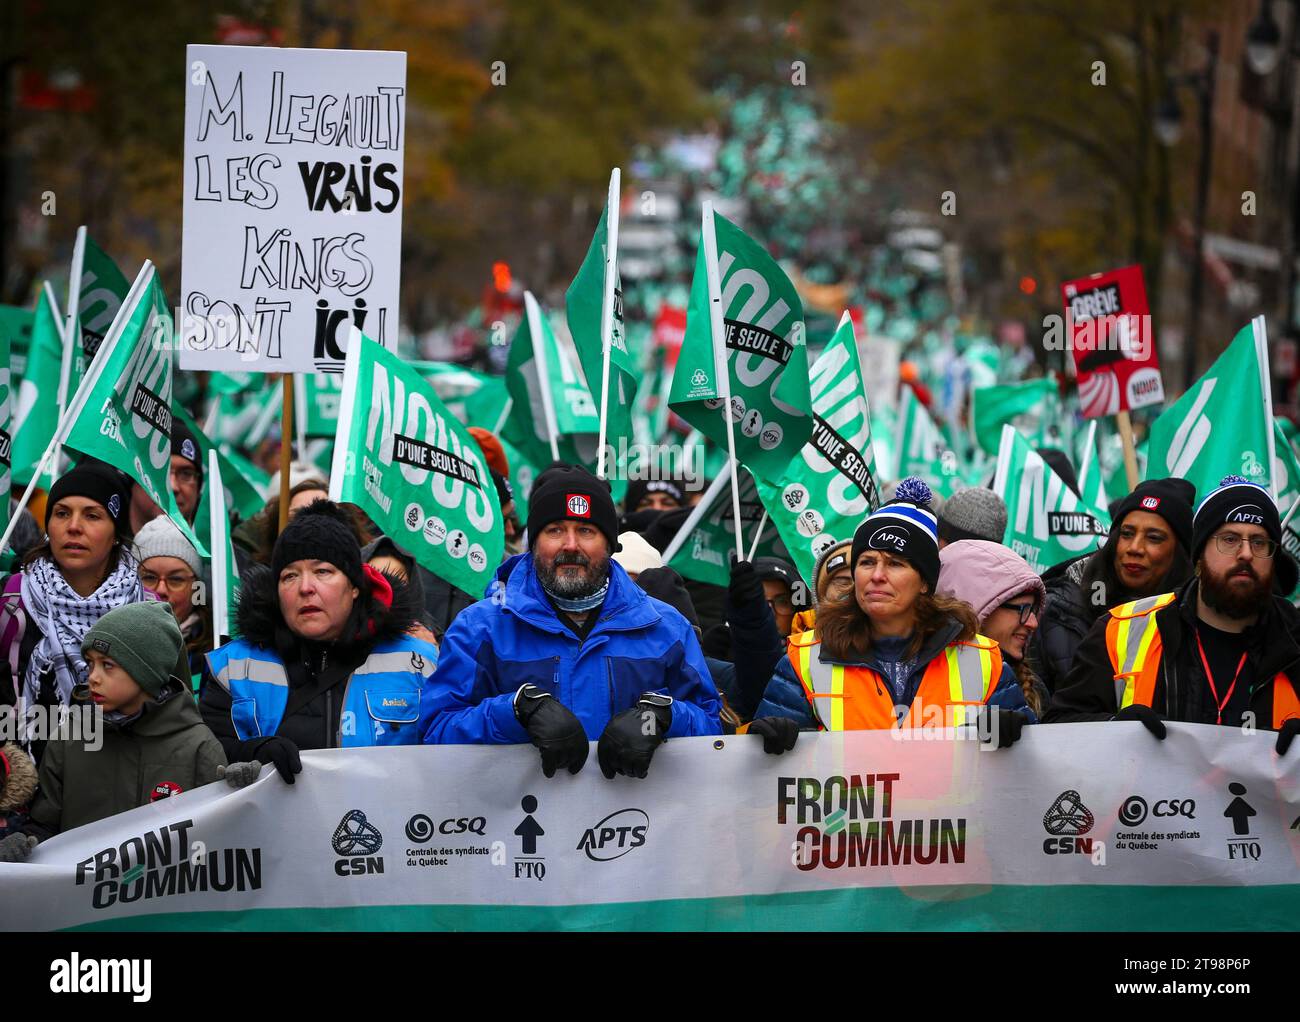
<point x="1223" y="649"/>
<point x="567" y="649"/>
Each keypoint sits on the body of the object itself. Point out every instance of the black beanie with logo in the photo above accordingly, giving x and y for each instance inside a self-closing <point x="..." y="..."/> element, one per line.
<point x="321" y="531"/>
<point x="1172" y="499"/>
<point x="571" y="493"/>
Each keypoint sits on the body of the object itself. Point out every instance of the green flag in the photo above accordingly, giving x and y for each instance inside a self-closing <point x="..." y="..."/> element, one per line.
<point x="239" y="494"/>
<point x="1046" y="522"/>
<point x="1092" y="484"/>
<point x="94" y="295"/>
<point x="993" y="407"/>
<point x="548" y="400"/>
<point x="406" y="461"/>
<point x="584" y="306"/>
<point x="830" y="487"/>
<point x="321" y="394"/>
<point x="706" y="542"/>
<point x="1224" y="424"/>
<point x="1286" y="476"/>
<point x="16" y="324"/>
<point x="36" y="411"/>
<point x="122" y="413"/>
<point x="522" y="474"/>
<point x="762" y="352"/>
<point x="921" y="449"/>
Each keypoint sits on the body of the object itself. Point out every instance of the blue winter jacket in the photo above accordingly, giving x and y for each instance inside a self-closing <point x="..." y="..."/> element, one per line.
<point x="785" y="696"/>
<point x="514" y="637"/>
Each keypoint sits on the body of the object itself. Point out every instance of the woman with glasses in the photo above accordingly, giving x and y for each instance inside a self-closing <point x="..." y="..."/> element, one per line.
<point x="897" y="653"/>
<point x="171" y="569"/>
<point x="1007" y="598"/>
<point x="83" y="570"/>
<point x="1223" y="649"/>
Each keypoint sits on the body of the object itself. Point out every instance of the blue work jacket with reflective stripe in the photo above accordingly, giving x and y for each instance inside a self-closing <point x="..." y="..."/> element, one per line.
<point x="386" y="701"/>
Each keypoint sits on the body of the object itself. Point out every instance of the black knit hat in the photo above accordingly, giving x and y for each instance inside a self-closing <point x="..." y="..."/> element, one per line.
<point x="185" y="445"/>
<point x="93" y="480"/>
<point x="321" y="531"/>
<point x="568" y="492"/>
<point x="1238" y="501"/>
<point x="666" y="585"/>
<point x="505" y="492"/>
<point x="906" y="527"/>
<point x="639" y="489"/>
<point x="1171" y="499"/>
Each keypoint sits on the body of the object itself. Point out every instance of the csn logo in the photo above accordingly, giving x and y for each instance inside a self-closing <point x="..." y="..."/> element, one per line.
<point x="615" y="835"/>
<point x="358" y="840"/>
<point x="1067" y="820"/>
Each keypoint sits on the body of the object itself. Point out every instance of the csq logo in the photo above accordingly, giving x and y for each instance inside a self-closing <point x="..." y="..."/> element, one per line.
<point x="615" y="835"/>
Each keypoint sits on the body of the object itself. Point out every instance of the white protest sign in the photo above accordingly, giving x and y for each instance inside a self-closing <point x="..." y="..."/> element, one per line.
<point x="293" y="205"/>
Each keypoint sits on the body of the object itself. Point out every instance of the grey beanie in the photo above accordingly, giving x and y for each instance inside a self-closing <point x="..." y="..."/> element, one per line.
<point x="161" y="538"/>
<point x="973" y="513"/>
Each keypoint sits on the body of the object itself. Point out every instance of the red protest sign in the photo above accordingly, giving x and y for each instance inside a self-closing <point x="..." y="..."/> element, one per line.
<point x="1109" y="329"/>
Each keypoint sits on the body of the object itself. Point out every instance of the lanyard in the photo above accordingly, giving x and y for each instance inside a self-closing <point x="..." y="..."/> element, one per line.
<point x="1210" y="678"/>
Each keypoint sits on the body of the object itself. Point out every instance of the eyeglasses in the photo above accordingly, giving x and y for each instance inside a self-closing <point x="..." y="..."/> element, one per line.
<point x="1025" y="610"/>
<point x="1230" y="543"/>
<point x="184" y="475"/>
<point x="175" y="583"/>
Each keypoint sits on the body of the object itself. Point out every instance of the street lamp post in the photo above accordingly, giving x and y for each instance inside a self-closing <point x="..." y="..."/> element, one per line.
<point x="1168" y="129"/>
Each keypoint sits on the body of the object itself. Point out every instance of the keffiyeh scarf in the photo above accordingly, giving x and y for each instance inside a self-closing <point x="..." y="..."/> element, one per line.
<point x="64" y="618"/>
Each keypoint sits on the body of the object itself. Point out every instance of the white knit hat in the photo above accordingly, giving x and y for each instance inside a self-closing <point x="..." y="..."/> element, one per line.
<point x="637" y="555"/>
<point x="161" y="538"/>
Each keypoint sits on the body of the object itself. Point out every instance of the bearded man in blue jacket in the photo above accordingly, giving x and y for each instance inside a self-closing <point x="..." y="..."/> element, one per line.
<point x="567" y="649"/>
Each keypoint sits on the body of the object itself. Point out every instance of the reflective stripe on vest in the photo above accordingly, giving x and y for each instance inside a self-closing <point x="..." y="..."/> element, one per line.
<point x="1135" y="648"/>
<point x="855" y="697"/>
<point x="381" y="699"/>
<point x="1129" y="635"/>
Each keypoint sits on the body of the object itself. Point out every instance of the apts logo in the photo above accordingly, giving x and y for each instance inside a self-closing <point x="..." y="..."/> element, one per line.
<point x="1068" y="819"/>
<point x="358" y="840"/>
<point x="615" y="835"/>
<point x="884" y="539"/>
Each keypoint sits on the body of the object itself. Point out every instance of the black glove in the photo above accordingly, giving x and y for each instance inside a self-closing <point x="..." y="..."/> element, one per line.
<point x="16" y="848"/>
<point x="1286" y="734"/>
<point x="1006" y="725"/>
<point x="745" y="586"/>
<point x="631" y="737"/>
<point x="553" y="728"/>
<point x="779" y="733"/>
<point x="1151" y="720"/>
<point x="281" y="754"/>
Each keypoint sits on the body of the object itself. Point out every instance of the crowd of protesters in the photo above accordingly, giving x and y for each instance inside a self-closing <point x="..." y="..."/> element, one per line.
<point x="341" y="639"/>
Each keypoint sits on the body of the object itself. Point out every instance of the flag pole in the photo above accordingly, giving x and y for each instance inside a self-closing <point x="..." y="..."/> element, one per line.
<point x="84" y="388"/>
<point x="719" y="335"/>
<point x="758" y="534"/>
<point x="286" y="447"/>
<point x="342" y="431"/>
<point x="534" y="313"/>
<point x="1125" y="425"/>
<point x="71" y="319"/>
<point x="220" y="588"/>
<point x="697" y="513"/>
<point x="1266" y="383"/>
<point x="607" y="307"/>
<point x="505" y="414"/>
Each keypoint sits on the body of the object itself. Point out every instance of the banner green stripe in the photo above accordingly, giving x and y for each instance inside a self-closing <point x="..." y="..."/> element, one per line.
<point x="1005" y="907"/>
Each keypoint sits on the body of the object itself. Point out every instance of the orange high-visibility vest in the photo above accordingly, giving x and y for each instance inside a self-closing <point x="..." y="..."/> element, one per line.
<point x="1133" y="642"/>
<point x="852" y="697"/>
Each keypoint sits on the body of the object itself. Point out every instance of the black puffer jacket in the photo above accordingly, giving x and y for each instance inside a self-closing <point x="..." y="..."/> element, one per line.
<point x="1066" y="618"/>
<point x="316" y="670"/>
<point x="1181" y="691"/>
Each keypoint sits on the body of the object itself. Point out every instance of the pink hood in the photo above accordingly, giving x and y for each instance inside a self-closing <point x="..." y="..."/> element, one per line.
<point x="986" y="575"/>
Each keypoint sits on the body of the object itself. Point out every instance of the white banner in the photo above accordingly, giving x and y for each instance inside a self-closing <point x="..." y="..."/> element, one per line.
<point x="293" y="211"/>
<point x="1080" y="826"/>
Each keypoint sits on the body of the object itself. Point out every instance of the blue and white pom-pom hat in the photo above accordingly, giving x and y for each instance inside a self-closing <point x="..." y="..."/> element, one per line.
<point x="905" y="527"/>
<point x="1238" y="501"/>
